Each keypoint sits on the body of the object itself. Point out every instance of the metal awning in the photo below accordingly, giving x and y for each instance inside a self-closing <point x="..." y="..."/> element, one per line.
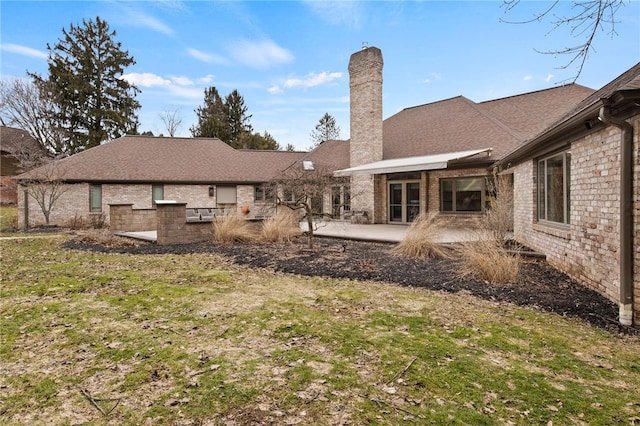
<point x="409" y="164"/>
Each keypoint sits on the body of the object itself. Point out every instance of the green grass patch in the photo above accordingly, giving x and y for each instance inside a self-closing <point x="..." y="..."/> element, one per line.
<point x="171" y="339"/>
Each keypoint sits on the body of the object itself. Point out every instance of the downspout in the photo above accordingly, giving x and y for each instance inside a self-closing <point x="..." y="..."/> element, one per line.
<point x="626" y="195"/>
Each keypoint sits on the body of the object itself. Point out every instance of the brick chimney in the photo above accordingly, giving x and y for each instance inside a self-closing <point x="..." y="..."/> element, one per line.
<point x="365" y="85"/>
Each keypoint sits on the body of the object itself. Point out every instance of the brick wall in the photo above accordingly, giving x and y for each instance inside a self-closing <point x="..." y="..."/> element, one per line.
<point x="173" y="227"/>
<point x="588" y="248"/>
<point x="122" y="217"/>
<point x="74" y="201"/>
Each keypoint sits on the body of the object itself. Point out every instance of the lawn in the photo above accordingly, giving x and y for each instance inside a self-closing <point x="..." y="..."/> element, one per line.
<point x="8" y="218"/>
<point x="192" y="339"/>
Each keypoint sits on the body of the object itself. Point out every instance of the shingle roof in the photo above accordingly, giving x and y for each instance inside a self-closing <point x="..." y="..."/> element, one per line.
<point x="14" y="140"/>
<point x="627" y="81"/>
<point x="186" y="160"/>
<point x="459" y="124"/>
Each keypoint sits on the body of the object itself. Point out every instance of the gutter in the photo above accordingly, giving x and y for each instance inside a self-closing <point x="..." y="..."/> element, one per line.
<point x="626" y="223"/>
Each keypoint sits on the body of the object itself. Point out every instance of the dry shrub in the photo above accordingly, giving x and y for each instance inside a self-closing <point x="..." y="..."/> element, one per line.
<point x="281" y="227"/>
<point x="488" y="260"/>
<point x="106" y="238"/>
<point x="498" y="219"/>
<point x="232" y="228"/>
<point x="418" y="241"/>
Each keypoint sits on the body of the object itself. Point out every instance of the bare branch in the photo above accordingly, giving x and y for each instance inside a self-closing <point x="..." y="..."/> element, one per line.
<point x="587" y="19"/>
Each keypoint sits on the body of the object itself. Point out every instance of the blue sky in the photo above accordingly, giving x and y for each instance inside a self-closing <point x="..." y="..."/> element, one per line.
<point x="289" y="59"/>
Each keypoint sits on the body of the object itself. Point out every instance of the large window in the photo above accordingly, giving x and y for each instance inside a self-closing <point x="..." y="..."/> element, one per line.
<point x="462" y="194"/>
<point x="95" y="198"/>
<point x="553" y="188"/>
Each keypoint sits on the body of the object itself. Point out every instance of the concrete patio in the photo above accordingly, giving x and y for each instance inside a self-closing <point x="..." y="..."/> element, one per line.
<point x="349" y="231"/>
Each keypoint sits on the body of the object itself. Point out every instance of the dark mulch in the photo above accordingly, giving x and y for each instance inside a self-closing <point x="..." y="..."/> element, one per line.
<point x="539" y="285"/>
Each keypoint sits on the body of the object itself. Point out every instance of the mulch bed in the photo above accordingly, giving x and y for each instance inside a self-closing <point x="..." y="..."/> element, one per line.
<point x="538" y="285"/>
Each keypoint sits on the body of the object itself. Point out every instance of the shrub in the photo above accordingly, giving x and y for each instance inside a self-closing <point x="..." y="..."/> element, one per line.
<point x="231" y="228"/>
<point x="418" y="241"/>
<point x="75" y="223"/>
<point x="98" y="220"/>
<point x="281" y="227"/>
<point x="498" y="219"/>
<point x="488" y="260"/>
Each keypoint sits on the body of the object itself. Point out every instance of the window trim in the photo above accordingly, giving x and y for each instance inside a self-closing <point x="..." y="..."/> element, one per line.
<point x="542" y="189"/>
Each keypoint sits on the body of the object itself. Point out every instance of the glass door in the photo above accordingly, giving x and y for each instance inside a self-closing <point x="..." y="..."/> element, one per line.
<point x="404" y="201"/>
<point x="395" y="202"/>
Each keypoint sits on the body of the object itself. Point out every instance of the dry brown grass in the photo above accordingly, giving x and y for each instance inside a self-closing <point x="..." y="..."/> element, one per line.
<point x="419" y="242"/>
<point x="106" y="238"/>
<point x="281" y="227"/>
<point x="488" y="260"/>
<point x="232" y="228"/>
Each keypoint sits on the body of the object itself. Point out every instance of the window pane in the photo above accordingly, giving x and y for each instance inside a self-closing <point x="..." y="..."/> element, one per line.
<point x="567" y="183"/>
<point x="447" y="195"/>
<point x="469" y="195"/>
<point x="259" y="193"/>
<point x="95" y="198"/>
<point x="555" y="189"/>
<point x="157" y="193"/>
<point x="542" y="210"/>
<point x="226" y="195"/>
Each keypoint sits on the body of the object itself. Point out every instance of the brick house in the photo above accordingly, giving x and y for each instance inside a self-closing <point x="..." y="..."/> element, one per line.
<point x="577" y="192"/>
<point x="562" y="147"/>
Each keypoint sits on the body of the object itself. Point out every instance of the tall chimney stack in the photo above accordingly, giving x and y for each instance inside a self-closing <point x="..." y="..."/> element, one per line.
<point x="365" y="85"/>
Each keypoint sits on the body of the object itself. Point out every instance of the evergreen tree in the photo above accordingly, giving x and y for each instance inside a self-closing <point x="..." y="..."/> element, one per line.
<point x="94" y="104"/>
<point x="237" y="117"/>
<point x="227" y="120"/>
<point x="325" y="130"/>
<point x="212" y="118"/>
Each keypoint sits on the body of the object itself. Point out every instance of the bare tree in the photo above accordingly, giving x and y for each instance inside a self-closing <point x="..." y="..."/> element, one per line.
<point x="43" y="178"/>
<point x="586" y="19"/>
<point x="25" y="105"/>
<point x="302" y="188"/>
<point x="171" y="119"/>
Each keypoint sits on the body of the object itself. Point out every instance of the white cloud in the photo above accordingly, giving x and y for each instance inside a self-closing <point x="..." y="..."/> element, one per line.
<point x="23" y="50"/>
<point x="432" y="76"/>
<point x="146" y="79"/>
<point x="209" y="58"/>
<point x="311" y="80"/>
<point x="549" y="78"/>
<point x="275" y="90"/>
<point x="338" y="12"/>
<point x="182" y="81"/>
<point x="137" y="18"/>
<point x="528" y="77"/>
<point x="206" y="79"/>
<point x="262" y="54"/>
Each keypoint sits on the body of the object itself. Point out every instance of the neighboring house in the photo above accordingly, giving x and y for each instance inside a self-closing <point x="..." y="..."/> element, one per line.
<point x="14" y="143"/>
<point x="577" y="192"/>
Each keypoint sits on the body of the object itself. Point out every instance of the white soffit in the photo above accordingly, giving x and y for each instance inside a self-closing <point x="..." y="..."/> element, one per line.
<point x="409" y="164"/>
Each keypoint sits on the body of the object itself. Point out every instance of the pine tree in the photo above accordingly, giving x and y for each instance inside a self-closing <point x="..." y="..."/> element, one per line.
<point x="94" y="104"/>
<point x="227" y="120"/>
<point x="325" y="130"/>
